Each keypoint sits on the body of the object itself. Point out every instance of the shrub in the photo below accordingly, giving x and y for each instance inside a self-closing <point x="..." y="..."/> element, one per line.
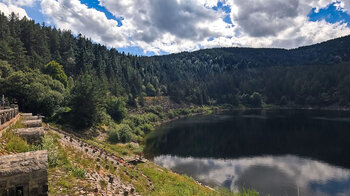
<point x="117" y="109"/>
<point x="125" y="133"/>
<point x="53" y="152"/>
<point x="113" y="135"/>
<point x="120" y="134"/>
<point x="171" y="114"/>
<point x="147" y="128"/>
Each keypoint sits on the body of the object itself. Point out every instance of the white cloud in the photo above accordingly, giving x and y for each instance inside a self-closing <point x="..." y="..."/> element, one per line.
<point x="8" y="9"/>
<point x="77" y="17"/>
<point x="20" y="2"/>
<point x="178" y="25"/>
<point x="345" y="6"/>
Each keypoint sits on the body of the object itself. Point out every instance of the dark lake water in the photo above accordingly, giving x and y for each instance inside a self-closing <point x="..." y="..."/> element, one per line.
<point x="276" y="152"/>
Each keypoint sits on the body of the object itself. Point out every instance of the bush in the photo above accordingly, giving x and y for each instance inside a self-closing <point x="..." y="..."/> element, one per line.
<point x="171" y="114"/>
<point x="147" y="128"/>
<point x="120" y="134"/>
<point x="113" y="134"/>
<point x="53" y="152"/>
<point x="125" y="133"/>
<point x="117" y="109"/>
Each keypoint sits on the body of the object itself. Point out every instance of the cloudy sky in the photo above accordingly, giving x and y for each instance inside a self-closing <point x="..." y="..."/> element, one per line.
<point x="148" y="27"/>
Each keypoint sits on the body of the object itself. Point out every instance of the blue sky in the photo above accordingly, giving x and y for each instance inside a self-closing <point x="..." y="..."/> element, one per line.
<point x="155" y="27"/>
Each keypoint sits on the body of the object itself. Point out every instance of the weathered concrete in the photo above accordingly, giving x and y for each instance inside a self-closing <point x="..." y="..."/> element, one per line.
<point x="32" y="123"/>
<point x="30" y="117"/>
<point x="7" y="114"/>
<point x="24" y="173"/>
<point x="31" y="135"/>
<point x="26" y="114"/>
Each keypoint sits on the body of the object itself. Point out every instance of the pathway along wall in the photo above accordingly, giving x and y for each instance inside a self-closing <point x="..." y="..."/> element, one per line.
<point x="24" y="174"/>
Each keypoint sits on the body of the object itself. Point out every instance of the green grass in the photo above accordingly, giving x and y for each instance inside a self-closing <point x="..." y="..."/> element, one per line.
<point x="14" y="143"/>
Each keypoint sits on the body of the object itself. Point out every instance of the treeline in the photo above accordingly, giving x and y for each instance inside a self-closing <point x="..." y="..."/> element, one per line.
<point x="76" y="81"/>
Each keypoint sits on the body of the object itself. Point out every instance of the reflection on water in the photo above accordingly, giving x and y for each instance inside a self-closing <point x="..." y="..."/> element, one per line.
<point x="288" y="150"/>
<point x="274" y="175"/>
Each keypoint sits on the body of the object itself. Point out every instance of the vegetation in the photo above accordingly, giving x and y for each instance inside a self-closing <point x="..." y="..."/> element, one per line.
<point x="52" y="72"/>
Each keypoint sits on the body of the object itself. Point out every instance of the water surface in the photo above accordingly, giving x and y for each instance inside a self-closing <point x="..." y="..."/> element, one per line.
<point x="276" y="152"/>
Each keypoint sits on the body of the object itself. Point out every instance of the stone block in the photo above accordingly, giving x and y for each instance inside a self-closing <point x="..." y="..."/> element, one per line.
<point x="30" y="117"/>
<point x="25" y="172"/>
<point x="32" y="123"/>
<point x="26" y="114"/>
<point x="31" y="135"/>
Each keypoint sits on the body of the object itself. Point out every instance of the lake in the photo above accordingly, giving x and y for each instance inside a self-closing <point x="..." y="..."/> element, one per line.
<point x="276" y="152"/>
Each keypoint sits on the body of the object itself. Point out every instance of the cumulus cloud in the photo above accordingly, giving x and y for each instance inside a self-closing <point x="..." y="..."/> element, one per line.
<point x="8" y="9"/>
<point x="187" y="25"/>
<point x="166" y="24"/>
<point x="20" y="2"/>
<point x="77" y="17"/>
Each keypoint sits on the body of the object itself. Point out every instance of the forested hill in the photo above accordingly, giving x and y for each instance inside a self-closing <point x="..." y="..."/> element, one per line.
<point x="326" y="53"/>
<point x="50" y="71"/>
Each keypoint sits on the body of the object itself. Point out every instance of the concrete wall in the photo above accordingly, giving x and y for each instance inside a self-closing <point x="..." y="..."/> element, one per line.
<point x="24" y="174"/>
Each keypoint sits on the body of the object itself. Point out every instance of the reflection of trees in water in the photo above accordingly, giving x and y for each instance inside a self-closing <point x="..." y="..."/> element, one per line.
<point x="256" y="134"/>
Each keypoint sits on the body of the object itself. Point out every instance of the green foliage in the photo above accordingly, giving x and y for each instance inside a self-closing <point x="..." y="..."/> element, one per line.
<point x="49" y="144"/>
<point x="87" y="102"/>
<point x="5" y="69"/>
<point x="314" y="75"/>
<point x="121" y="133"/>
<point x="150" y="90"/>
<point x="147" y="128"/>
<point x="15" y="143"/>
<point x="117" y="109"/>
<point x="76" y="171"/>
<point x="56" y="71"/>
<point x="35" y="92"/>
<point x="125" y="133"/>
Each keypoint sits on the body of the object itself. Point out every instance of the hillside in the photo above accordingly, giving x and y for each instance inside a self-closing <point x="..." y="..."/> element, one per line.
<point x="60" y="75"/>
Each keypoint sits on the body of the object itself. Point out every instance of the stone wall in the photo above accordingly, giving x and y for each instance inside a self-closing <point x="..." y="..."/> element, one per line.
<point x="24" y="174"/>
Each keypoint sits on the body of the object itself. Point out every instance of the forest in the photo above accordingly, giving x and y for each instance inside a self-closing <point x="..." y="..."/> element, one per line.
<point x="68" y="77"/>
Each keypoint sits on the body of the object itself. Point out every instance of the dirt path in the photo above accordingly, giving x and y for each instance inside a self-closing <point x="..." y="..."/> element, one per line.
<point x="115" y="186"/>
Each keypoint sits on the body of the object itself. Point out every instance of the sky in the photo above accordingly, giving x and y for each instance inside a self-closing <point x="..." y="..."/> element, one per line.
<point x="156" y="27"/>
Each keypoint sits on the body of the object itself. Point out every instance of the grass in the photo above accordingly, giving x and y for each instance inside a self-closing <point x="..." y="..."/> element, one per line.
<point x="15" y="144"/>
